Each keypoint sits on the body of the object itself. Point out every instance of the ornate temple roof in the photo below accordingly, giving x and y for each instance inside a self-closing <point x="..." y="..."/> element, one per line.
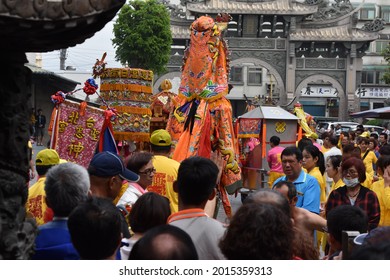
<point x="336" y="33"/>
<point x="39" y="26"/>
<point x="280" y="7"/>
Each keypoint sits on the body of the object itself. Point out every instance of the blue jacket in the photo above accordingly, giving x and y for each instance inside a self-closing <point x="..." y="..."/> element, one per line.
<point x="54" y="243"/>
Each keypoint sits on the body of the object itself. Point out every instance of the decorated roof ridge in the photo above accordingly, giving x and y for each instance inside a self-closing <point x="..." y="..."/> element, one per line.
<point x="336" y="33"/>
<point x="281" y="7"/>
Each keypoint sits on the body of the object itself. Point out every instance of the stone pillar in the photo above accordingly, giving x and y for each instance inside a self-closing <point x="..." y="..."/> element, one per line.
<point x="16" y="234"/>
<point x="290" y="75"/>
<point x="350" y="87"/>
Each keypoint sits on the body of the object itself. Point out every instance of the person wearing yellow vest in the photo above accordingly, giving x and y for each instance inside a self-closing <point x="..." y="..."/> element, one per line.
<point x="333" y="171"/>
<point x="166" y="168"/>
<point x="382" y="189"/>
<point x="36" y="201"/>
<point x="313" y="162"/>
<point x="369" y="158"/>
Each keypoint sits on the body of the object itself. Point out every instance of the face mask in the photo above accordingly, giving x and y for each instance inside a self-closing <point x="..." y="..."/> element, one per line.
<point x="350" y="183"/>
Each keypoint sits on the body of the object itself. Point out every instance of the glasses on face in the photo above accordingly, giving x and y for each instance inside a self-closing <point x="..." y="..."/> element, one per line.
<point x="350" y="172"/>
<point x="147" y="171"/>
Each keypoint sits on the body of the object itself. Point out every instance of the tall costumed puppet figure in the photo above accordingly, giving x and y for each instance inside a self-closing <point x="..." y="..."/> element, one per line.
<point x="201" y="123"/>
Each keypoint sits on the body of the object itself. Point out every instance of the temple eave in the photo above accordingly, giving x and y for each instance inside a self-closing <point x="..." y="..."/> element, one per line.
<point x="249" y="10"/>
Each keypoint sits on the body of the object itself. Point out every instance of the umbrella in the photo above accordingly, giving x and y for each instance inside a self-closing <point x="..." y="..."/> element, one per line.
<point x="382" y="113"/>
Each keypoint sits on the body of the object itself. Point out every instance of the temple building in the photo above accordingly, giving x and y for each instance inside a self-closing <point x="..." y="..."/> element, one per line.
<point x="322" y="54"/>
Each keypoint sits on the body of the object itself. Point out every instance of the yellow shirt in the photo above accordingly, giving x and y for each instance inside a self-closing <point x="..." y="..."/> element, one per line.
<point x="368" y="161"/>
<point x="166" y="174"/>
<point x="316" y="173"/>
<point x="36" y="201"/>
<point x="324" y="150"/>
<point x="368" y="182"/>
<point x="383" y="195"/>
<point x="337" y="185"/>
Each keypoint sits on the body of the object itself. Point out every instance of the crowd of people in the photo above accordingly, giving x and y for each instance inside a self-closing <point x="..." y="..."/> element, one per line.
<point x="148" y="206"/>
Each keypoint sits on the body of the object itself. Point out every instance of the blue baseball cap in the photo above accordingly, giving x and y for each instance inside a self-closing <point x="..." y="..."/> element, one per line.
<point x="107" y="164"/>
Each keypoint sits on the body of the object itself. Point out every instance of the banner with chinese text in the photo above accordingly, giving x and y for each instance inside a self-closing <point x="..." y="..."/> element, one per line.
<point x="77" y="132"/>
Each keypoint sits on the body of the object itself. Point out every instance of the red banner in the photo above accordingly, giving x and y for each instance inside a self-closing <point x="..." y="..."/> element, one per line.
<point x="77" y="132"/>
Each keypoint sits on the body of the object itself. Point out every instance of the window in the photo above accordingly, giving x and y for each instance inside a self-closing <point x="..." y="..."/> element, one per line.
<point x="254" y="76"/>
<point x="367" y="77"/>
<point x="381" y="45"/>
<point x="381" y="81"/>
<point x="373" y="77"/>
<point x="236" y="74"/>
<point x="250" y="25"/>
<point x="386" y="16"/>
<point x="385" y="13"/>
<point x="367" y="13"/>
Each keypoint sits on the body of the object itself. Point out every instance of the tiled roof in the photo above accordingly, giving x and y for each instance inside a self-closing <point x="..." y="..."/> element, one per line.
<point x="337" y="33"/>
<point x="40" y="71"/>
<point x="281" y="7"/>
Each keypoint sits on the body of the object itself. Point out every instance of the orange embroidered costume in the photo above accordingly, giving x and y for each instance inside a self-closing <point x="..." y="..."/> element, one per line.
<point x="201" y="122"/>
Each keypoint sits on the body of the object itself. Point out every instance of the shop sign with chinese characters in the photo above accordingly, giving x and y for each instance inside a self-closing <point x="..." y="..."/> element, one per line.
<point x="373" y="92"/>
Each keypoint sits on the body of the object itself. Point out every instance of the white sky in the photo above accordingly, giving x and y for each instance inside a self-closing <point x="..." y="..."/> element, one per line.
<point x="83" y="56"/>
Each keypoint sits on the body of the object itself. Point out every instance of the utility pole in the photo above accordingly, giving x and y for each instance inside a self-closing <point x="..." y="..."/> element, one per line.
<point x="62" y="59"/>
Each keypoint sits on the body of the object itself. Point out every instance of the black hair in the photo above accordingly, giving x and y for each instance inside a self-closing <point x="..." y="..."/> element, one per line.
<point x="303" y="143"/>
<point x="385" y="135"/>
<point x="196" y="180"/>
<point x="335" y="160"/>
<point x="275" y="140"/>
<point x="292" y="150"/>
<point x="95" y="228"/>
<point x="383" y="162"/>
<point x="315" y="153"/>
<point x="150" y="210"/>
<point x="160" y="149"/>
<point x="258" y="232"/>
<point x="137" y="160"/>
<point x="42" y="169"/>
<point x="346" y="218"/>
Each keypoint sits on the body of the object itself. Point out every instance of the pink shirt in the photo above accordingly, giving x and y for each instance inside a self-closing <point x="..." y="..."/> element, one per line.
<point x="274" y="159"/>
<point x="317" y="145"/>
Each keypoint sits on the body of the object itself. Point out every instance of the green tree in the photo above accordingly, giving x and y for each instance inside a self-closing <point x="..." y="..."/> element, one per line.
<point x="386" y="55"/>
<point x="142" y="35"/>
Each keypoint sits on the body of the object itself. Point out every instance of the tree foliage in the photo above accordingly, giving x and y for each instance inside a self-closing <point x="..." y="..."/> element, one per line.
<point x="386" y="55"/>
<point x="142" y="35"/>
